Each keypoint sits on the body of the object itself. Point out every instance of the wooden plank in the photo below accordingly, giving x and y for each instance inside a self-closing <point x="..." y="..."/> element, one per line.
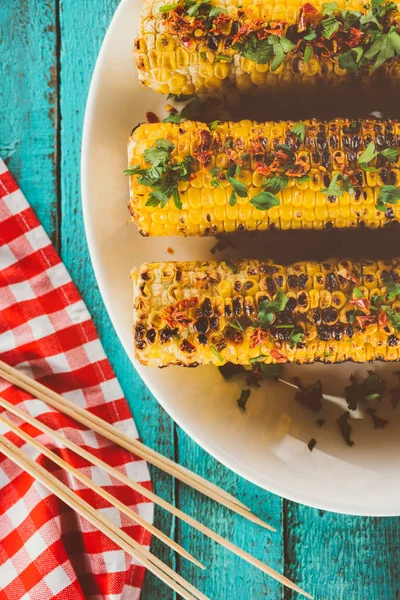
<point x="83" y="25"/>
<point x="28" y="106"/>
<point x="340" y="556"/>
<point x="227" y="576"/>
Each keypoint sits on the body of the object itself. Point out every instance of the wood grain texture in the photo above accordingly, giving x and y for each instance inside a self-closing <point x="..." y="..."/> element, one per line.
<point x="83" y="24"/>
<point x="29" y="101"/>
<point x="48" y="49"/>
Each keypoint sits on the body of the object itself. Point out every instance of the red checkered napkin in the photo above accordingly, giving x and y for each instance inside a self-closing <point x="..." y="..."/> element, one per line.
<point x="46" y="550"/>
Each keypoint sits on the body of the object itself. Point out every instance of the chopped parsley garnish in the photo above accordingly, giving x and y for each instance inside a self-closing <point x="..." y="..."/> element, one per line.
<point x="372" y="388"/>
<point x="267" y="310"/>
<point x="390" y="154"/>
<point x="164" y="174"/>
<point x="216" y="181"/>
<point x="265" y="201"/>
<point x="310" y="396"/>
<point x="168" y="7"/>
<point x="224" y="58"/>
<point x="217" y="354"/>
<point x="335" y="189"/>
<point x="393" y="317"/>
<point x="300" y="130"/>
<point x="388" y="194"/>
<point x="232" y="266"/>
<point x="296" y="337"/>
<point x="213" y="125"/>
<point x="311" y="444"/>
<point x="360" y="41"/>
<point x="358" y="293"/>
<point x="257" y="359"/>
<point x="392" y="289"/>
<point x="242" y="401"/>
<point x="345" y="427"/>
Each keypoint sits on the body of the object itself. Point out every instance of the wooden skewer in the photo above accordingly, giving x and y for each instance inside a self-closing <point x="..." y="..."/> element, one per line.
<point x="97" y="424"/>
<point x="100" y="491"/>
<point x="128" y="544"/>
<point x="156" y="499"/>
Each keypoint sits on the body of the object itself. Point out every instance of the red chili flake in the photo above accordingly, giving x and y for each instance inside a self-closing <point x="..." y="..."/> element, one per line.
<point x="188" y="303"/>
<point x="204" y="158"/>
<point x="382" y="319"/>
<point x="256" y="146"/>
<point x="262" y="168"/>
<point x="187" y="43"/>
<point x="257" y="337"/>
<point x="362" y="303"/>
<point x="278" y="356"/>
<point x="276" y="28"/>
<point x="356" y="36"/>
<point x="364" y="322"/>
<point x="152" y="117"/>
<point x="300" y="168"/>
<point x="234" y="156"/>
<point x="346" y="274"/>
<point x="205" y="140"/>
<point x="220" y="22"/>
<point x="309" y="14"/>
<point x="178" y="25"/>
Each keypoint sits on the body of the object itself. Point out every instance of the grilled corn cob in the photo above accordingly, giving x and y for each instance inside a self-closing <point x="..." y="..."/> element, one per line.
<point x="189" y="47"/>
<point x="245" y="312"/>
<point x="197" y="179"/>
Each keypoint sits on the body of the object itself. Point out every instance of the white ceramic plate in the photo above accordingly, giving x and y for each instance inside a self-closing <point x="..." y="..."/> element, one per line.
<point x="267" y="444"/>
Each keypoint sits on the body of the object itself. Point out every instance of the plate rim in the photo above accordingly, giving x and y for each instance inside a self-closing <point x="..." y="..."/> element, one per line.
<point x="233" y="465"/>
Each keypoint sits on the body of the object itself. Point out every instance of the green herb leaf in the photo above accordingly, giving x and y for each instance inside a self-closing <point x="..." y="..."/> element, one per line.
<point x="232" y="266"/>
<point x="296" y="337"/>
<point x="279" y="57"/>
<point x="276" y="184"/>
<point x="329" y="8"/>
<point x="238" y="186"/>
<point x="203" y="55"/>
<point x="349" y="60"/>
<point x="169" y="7"/>
<point x="213" y="125"/>
<point x="391" y="154"/>
<point x="217" y="354"/>
<point x="265" y="201"/>
<point x="261" y="51"/>
<point x="330" y="26"/>
<point x="224" y="58"/>
<point x="267" y="310"/>
<point x="307" y="54"/>
<point x="369" y="154"/>
<point x="358" y="293"/>
<point x="215" y="11"/>
<point x="392" y="289"/>
<point x="135" y="170"/>
<point x="257" y="359"/>
<point x="393" y="317"/>
<point x="300" y="130"/>
<point x="242" y="401"/>
<point x="232" y="199"/>
<point x="334" y="189"/>
<point x="388" y="194"/>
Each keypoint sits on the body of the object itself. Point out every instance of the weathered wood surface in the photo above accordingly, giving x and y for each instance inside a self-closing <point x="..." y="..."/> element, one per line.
<point x="48" y="49"/>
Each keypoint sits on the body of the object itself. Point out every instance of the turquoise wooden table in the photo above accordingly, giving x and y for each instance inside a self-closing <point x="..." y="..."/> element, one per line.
<point x="48" y="49"/>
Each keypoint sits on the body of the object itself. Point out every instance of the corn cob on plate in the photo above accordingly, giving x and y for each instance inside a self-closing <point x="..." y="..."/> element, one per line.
<point x="246" y="312"/>
<point x="192" y="46"/>
<point x="193" y="178"/>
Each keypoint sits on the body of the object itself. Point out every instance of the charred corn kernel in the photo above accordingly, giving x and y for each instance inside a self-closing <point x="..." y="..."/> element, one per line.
<point x="194" y="313"/>
<point x="249" y="144"/>
<point x="162" y="32"/>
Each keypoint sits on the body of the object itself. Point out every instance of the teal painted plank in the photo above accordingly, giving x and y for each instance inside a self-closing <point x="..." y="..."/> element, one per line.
<point x="83" y="25"/>
<point x="228" y="576"/>
<point x="339" y="556"/>
<point x="28" y="102"/>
